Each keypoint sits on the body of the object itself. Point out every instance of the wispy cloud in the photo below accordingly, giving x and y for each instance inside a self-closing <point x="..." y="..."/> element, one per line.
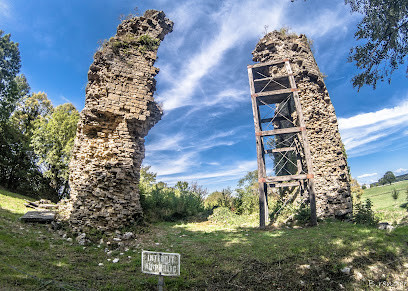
<point x="400" y="170"/>
<point x="5" y="9"/>
<point x="184" y="142"/>
<point x="166" y="142"/>
<point x="366" y="131"/>
<point x="326" y="21"/>
<point x="165" y="165"/>
<point x="367" y="175"/>
<point x="235" y="24"/>
<point x="215" y="174"/>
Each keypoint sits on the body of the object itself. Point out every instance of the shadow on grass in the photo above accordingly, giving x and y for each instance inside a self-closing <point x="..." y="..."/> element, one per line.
<point x="289" y="259"/>
<point x="211" y="259"/>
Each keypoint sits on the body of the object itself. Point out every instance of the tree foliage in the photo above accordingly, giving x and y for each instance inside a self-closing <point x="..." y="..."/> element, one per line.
<point x="388" y="177"/>
<point x="383" y="33"/>
<point x="221" y="198"/>
<point x="53" y="139"/>
<point x="356" y="190"/>
<point x="17" y="161"/>
<point x="384" y="29"/>
<point x="160" y="202"/>
<point x="29" y="110"/>
<point x="247" y="198"/>
<point x="10" y="85"/>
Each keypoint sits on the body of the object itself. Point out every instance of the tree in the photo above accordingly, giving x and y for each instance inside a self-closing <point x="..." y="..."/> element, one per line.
<point x="247" y="200"/>
<point x="384" y="32"/>
<point x="220" y="199"/>
<point x="384" y="28"/>
<point x="29" y="110"/>
<point x="53" y="139"/>
<point x="12" y="87"/>
<point x="356" y="189"/>
<point x="388" y="177"/>
<point x="16" y="160"/>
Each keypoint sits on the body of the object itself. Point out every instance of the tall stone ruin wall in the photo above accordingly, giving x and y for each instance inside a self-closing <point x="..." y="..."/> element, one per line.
<point x="119" y="111"/>
<point x="333" y="198"/>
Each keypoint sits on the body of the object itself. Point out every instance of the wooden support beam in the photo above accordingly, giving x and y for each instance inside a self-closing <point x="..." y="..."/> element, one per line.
<point x="260" y="152"/>
<point x="272" y="78"/>
<point x="276" y="118"/>
<point x="271" y="63"/>
<point x="285" y="178"/>
<point x="279" y="150"/>
<point x="282" y="185"/>
<point x="273" y="93"/>
<point x="308" y="155"/>
<point x="278" y="131"/>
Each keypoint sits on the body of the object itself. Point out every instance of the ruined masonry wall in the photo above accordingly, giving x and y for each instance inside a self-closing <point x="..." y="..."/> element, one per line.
<point x="119" y="111"/>
<point x="332" y="187"/>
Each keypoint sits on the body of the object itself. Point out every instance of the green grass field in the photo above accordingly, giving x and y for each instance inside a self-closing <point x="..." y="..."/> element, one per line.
<point x="389" y="210"/>
<point x="213" y="256"/>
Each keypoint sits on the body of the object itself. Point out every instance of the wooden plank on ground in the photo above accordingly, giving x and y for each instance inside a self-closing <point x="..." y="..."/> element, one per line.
<point x="38" y="216"/>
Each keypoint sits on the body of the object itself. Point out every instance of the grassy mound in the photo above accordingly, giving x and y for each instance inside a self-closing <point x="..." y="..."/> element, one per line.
<point x="214" y="256"/>
<point x="389" y="209"/>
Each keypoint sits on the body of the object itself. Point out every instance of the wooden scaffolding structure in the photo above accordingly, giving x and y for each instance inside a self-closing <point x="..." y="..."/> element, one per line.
<point x="281" y="140"/>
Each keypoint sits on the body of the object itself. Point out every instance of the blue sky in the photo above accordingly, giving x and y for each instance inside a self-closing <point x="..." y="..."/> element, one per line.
<point x="207" y="133"/>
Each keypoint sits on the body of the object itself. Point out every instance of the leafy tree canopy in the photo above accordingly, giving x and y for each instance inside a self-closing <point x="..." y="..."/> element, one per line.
<point x="384" y="35"/>
<point x="53" y="139"/>
<point x="389" y="177"/>
<point x="30" y="108"/>
<point x="11" y="87"/>
<point x="385" y="31"/>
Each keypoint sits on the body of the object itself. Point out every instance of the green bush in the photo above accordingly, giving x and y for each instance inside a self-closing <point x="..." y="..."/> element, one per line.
<point x="406" y="192"/>
<point x="223" y="215"/>
<point x="302" y="215"/>
<point x="147" y="43"/>
<point x="162" y="203"/>
<point x="395" y="194"/>
<point x="363" y="214"/>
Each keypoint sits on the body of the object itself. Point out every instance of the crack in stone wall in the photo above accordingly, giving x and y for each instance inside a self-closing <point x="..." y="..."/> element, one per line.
<point x="332" y="185"/>
<point x="119" y="111"/>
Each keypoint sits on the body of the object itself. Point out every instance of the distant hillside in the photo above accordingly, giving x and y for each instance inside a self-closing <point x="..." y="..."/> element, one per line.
<point x="401" y="177"/>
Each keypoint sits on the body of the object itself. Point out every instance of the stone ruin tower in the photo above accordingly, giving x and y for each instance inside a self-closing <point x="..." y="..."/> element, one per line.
<point x="119" y="111"/>
<point x="331" y="178"/>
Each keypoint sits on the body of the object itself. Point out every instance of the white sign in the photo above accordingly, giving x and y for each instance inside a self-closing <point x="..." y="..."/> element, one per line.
<point x="164" y="264"/>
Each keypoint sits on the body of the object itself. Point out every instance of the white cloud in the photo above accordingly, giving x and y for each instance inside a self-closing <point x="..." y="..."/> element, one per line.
<point x="165" y="165"/>
<point x="398" y="113"/>
<point x="219" y="174"/>
<point x="236" y="24"/>
<point x="166" y="142"/>
<point x="369" y="132"/>
<point x="327" y="21"/>
<point x="400" y="170"/>
<point x="367" y="175"/>
<point x="5" y="9"/>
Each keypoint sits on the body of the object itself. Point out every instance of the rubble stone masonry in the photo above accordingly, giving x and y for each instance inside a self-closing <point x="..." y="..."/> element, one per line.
<point x="332" y="187"/>
<point x="119" y="111"/>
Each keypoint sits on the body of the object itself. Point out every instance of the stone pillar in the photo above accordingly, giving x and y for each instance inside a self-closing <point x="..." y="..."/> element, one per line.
<point x="333" y="198"/>
<point x="119" y="111"/>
